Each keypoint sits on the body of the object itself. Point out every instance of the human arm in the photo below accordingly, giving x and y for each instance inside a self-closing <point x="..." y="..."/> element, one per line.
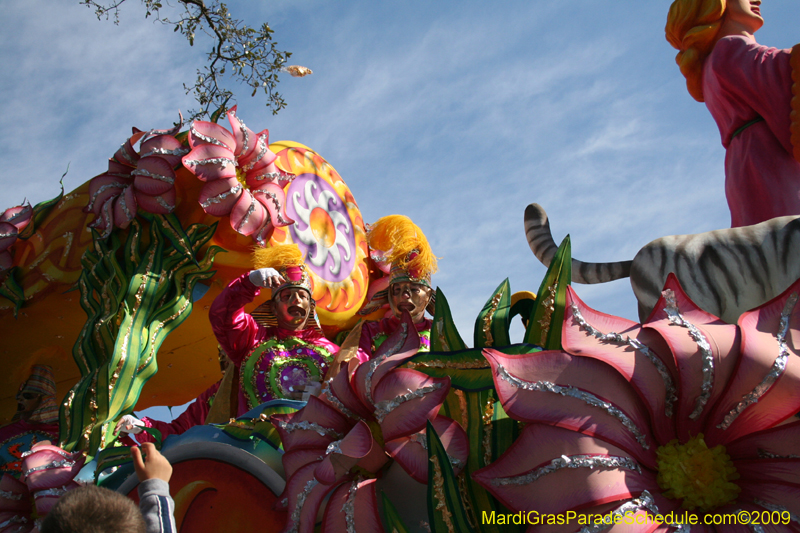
<point x="234" y="329"/>
<point x="155" y="503"/>
<point x="194" y="415"/>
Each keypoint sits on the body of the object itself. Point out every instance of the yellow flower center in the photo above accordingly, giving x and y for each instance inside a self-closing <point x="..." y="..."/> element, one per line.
<point x="698" y="475"/>
<point x="240" y="177"/>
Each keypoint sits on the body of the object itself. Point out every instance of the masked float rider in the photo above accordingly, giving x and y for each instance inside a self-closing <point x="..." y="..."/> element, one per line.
<point x="399" y="246"/>
<point x="286" y="357"/>
<point x="36" y="419"/>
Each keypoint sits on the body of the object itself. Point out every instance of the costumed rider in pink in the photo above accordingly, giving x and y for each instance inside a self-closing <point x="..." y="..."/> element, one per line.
<point x="199" y="412"/>
<point x="290" y="355"/>
<point x="398" y="246"/>
<point x="36" y="419"/>
<point x="748" y="89"/>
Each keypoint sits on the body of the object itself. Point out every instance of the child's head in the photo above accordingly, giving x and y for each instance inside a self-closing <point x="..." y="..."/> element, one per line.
<point x="93" y="509"/>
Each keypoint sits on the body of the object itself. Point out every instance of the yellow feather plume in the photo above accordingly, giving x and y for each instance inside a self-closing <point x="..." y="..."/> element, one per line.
<point x="277" y="257"/>
<point x="395" y="236"/>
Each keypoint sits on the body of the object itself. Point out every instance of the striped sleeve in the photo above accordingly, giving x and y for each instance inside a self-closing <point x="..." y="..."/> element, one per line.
<point x="157" y="506"/>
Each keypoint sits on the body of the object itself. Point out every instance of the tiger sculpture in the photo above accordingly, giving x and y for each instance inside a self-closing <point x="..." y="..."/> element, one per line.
<point x="725" y="272"/>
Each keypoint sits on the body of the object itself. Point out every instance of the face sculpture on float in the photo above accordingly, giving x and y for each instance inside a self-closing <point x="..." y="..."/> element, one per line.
<point x="400" y="249"/>
<point x="280" y="349"/>
<point x="748" y="89"/>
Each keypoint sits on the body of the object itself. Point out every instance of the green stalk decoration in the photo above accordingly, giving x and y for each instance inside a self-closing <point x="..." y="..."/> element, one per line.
<point x="134" y="293"/>
<point x="491" y="326"/>
<point x="446" y="513"/>
<point x="393" y="521"/>
<point x="547" y="316"/>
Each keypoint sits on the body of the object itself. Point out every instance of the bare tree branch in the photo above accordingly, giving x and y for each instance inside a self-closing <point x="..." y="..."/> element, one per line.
<point x="238" y="53"/>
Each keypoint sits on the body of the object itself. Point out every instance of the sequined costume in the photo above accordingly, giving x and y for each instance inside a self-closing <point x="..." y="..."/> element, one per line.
<point x="748" y="90"/>
<point x="271" y="360"/>
<point x="194" y="415"/>
<point x="374" y="333"/>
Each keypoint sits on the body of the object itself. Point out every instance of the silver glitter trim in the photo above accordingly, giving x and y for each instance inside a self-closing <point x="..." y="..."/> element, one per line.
<point x="163" y="203"/>
<point x="18" y="214"/>
<point x="334" y="447"/>
<point x="249" y="212"/>
<point x="164" y="151"/>
<point x="374" y="363"/>
<point x="575" y="461"/>
<point x="349" y="507"/>
<point x="644" y="502"/>
<point x="274" y="198"/>
<point x="245" y="135"/>
<point x="573" y="392"/>
<point x="203" y="138"/>
<point x="125" y="155"/>
<point x="278" y="176"/>
<point x="147" y="173"/>
<point x="262" y="151"/>
<point x="121" y="202"/>
<point x="301" y="500"/>
<point x="422" y="440"/>
<point x="218" y="198"/>
<point x="5" y="235"/>
<point x="305" y="425"/>
<point x="675" y="318"/>
<point x="103" y="189"/>
<point x="773" y="507"/>
<point x="777" y="370"/>
<point x="328" y="394"/>
<point x="50" y="492"/>
<point x="755" y="528"/>
<point x="62" y="453"/>
<point x="764" y="454"/>
<point x="18" y="519"/>
<point x="382" y="409"/>
<point x="10" y="495"/>
<point x="221" y="161"/>
<point x="52" y="465"/>
<point x="616" y="338"/>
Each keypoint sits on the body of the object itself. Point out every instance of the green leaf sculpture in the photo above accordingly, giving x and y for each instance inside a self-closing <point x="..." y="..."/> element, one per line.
<point x="544" y="325"/>
<point x="446" y="511"/>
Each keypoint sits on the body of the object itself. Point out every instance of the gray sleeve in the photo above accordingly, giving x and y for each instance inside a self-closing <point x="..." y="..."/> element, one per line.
<point x="157" y="506"/>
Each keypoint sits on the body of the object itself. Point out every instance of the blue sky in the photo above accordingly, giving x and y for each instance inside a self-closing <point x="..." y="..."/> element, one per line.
<point x="457" y="114"/>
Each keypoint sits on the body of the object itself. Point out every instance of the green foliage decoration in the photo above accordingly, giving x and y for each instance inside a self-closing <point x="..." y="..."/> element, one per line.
<point x="134" y="293"/>
<point x="544" y="326"/>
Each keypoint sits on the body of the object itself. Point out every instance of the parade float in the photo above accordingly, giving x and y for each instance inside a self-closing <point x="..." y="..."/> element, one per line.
<point x="590" y="423"/>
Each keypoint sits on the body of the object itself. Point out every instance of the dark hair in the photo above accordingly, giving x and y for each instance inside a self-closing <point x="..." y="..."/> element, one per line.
<point x="93" y="509"/>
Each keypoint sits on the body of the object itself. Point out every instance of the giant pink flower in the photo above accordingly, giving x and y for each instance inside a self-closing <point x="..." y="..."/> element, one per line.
<point x="12" y="221"/>
<point x="143" y="179"/>
<point x="681" y="413"/>
<point x="48" y="472"/>
<point x="241" y="175"/>
<point x="367" y="415"/>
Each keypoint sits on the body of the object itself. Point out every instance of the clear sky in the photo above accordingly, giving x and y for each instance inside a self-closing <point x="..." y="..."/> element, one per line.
<point x="457" y="114"/>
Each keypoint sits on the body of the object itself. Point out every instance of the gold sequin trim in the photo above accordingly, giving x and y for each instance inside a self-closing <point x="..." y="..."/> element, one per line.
<point x="487" y="320"/>
<point x="549" y="309"/>
<point x="438" y="491"/>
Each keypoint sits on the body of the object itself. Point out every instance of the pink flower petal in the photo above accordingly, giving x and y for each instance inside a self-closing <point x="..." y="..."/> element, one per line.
<point x="20" y="216"/>
<point x="780" y="441"/>
<point x="767" y="395"/>
<point x="314" y="426"/>
<point x="218" y="197"/>
<point x="103" y="187"/>
<point x="401" y="345"/>
<point x="768" y="470"/>
<point x="695" y="405"/>
<point x="343" y="455"/>
<point x="650" y="371"/>
<point x="165" y="146"/>
<point x="125" y="208"/>
<point x="580" y="393"/>
<point x="406" y="399"/>
<point x="202" y="132"/>
<point x="153" y="176"/>
<point x="246" y="139"/>
<point x="263" y="235"/>
<point x="210" y="162"/>
<point x="297" y="459"/>
<point x="550" y="487"/>
<point x="17" y="491"/>
<point x="126" y="154"/>
<point x="104" y="222"/>
<point x="782" y="494"/>
<point x="8" y="235"/>
<point x="353" y="503"/>
<point x="265" y="171"/>
<point x="160" y="204"/>
<point x="50" y="467"/>
<point x="274" y="200"/>
<point x="248" y="215"/>
<point x="342" y="393"/>
<point x="410" y="453"/>
<point x="305" y="495"/>
<point x="45" y="501"/>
